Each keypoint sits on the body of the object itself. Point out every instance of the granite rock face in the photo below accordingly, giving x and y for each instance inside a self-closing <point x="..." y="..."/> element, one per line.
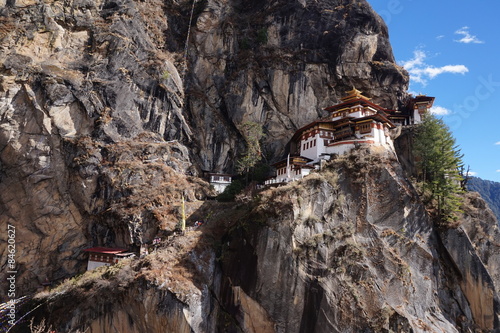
<point x="108" y="117"/>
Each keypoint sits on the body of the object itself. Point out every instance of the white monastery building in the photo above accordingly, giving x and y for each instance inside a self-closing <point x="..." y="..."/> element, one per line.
<point x="218" y="180"/>
<point x="356" y="121"/>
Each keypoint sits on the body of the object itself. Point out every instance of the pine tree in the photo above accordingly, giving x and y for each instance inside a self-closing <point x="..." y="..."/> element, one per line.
<point x="439" y="161"/>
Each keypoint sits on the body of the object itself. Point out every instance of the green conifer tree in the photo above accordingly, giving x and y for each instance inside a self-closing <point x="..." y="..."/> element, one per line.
<point x="439" y="161"/>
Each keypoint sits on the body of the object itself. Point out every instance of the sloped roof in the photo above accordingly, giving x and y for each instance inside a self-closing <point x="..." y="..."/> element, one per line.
<point x="105" y="250"/>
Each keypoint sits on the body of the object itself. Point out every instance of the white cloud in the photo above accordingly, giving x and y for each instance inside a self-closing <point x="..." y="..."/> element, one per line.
<point x="498" y="170"/>
<point x="472" y="173"/>
<point x="421" y="72"/>
<point x="432" y="72"/>
<point x="440" y="111"/>
<point x="467" y="38"/>
<point x="498" y="143"/>
<point x="418" y="60"/>
<point x="440" y="37"/>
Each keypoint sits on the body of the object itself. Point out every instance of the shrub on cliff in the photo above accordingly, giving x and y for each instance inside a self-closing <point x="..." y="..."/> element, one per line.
<point x="438" y="160"/>
<point x="252" y="133"/>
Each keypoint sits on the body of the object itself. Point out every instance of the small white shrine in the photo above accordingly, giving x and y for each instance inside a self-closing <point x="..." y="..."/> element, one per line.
<point x="219" y="181"/>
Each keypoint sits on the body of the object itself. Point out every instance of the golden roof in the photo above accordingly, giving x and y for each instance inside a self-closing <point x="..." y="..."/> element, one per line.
<point x="354" y="94"/>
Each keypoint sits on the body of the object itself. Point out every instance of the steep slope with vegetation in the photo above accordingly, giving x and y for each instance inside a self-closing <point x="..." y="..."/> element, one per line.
<point x="438" y="161"/>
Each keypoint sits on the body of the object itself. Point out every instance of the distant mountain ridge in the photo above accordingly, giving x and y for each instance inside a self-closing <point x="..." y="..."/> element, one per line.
<point x="489" y="190"/>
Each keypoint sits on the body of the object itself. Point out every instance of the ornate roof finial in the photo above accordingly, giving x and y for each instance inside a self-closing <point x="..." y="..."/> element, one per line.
<point x="354" y="94"/>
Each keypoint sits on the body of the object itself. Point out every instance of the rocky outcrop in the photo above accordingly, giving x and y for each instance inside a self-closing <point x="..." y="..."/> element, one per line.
<point x="475" y="280"/>
<point x="481" y="227"/>
<point x="477" y="236"/>
<point x="351" y="249"/>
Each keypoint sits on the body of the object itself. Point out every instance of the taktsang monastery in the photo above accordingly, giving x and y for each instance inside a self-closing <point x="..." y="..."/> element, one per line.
<point x="355" y="122"/>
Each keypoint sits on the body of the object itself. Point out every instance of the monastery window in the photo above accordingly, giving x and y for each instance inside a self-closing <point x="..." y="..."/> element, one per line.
<point x="365" y="128"/>
<point x="314" y="143"/>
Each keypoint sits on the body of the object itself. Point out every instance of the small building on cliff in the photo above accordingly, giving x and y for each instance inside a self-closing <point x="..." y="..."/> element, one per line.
<point x="218" y="180"/>
<point x="354" y="122"/>
<point x="105" y="256"/>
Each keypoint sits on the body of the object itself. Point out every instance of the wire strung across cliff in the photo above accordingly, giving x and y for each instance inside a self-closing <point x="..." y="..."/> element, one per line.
<point x="184" y="65"/>
<point x="5" y="310"/>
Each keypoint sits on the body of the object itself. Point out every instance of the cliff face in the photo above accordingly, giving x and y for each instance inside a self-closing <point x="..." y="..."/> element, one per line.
<point x="85" y="115"/>
<point x="100" y="112"/>
<point x="279" y="63"/>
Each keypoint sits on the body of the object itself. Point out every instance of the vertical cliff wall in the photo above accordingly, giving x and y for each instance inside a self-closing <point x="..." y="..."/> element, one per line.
<point x="85" y="114"/>
<point x="352" y="250"/>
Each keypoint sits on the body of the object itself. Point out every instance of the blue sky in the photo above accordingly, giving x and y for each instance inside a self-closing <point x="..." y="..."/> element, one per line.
<point x="452" y="51"/>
